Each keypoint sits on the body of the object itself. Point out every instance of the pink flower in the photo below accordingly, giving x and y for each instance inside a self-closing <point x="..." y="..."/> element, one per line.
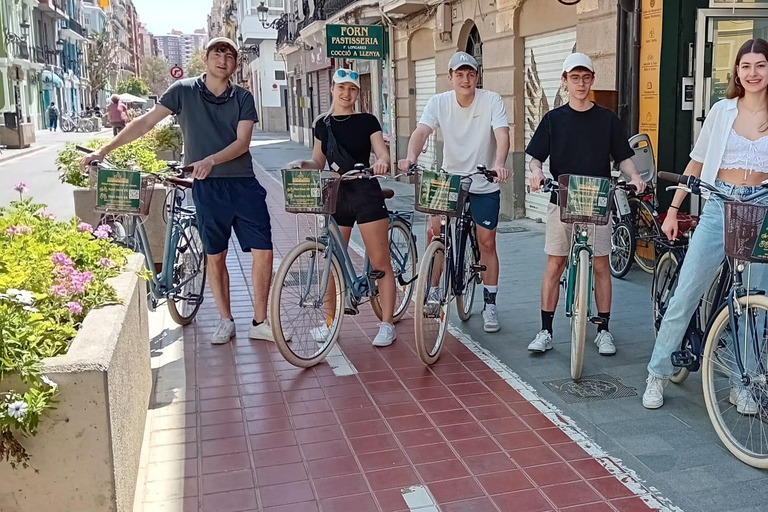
<point x="60" y="290"/>
<point x="61" y="259"/>
<point x="20" y="187"/>
<point x="106" y="263"/>
<point x="12" y="230"/>
<point x="102" y="231"/>
<point x="74" y="308"/>
<point x="45" y="214"/>
<point x="25" y="230"/>
<point x="84" y="226"/>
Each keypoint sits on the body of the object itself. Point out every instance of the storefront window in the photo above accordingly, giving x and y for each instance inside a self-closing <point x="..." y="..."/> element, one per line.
<point x="475" y="48"/>
<point x="738" y="3"/>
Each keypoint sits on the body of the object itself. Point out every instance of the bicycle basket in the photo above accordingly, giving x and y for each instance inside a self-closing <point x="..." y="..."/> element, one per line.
<point x="584" y="199"/>
<point x="123" y="192"/>
<point x="310" y="191"/>
<point x="441" y="193"/>
<point x="746" y="231"/>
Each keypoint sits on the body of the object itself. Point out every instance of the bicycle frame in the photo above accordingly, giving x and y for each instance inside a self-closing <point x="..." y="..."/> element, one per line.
<point x="579" y="242"/>
<point x="454" y="256"/>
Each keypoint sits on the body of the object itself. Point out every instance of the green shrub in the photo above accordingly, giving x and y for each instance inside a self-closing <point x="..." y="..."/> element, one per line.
<point x="166" y="137"/>
<point x="52" y="273"/>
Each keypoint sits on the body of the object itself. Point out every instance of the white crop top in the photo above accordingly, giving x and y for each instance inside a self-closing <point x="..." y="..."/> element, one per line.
<point x="742" y="153"/>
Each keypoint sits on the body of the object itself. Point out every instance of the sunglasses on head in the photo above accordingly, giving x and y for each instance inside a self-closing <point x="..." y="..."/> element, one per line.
<point x="343" y="73"/>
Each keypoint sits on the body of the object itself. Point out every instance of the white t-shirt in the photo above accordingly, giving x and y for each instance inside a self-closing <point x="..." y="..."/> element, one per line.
<point x="468" y="139"/>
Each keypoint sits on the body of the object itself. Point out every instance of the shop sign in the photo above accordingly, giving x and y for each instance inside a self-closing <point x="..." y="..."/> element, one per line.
<point x="650" y="58"/>
<point x="118" y="190"/>
<point x="355" y="41"/>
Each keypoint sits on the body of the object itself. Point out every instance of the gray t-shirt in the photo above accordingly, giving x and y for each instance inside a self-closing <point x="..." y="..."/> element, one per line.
<point x="209" y="123"/>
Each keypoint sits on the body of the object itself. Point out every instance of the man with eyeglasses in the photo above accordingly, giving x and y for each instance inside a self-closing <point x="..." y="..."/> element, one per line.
<point x="216" y="119"/>
<point x="475" y="131"/>
<point x="579" y="138"/>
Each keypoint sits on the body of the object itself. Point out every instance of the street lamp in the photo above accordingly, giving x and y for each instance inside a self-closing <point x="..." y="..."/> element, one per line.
<point x="24" y="29"/>
<point x="59" y="45"/>
<point x="262" y="11"/>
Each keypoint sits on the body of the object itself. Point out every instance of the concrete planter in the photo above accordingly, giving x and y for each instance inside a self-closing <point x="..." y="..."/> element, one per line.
<point x="85" y="202"/>
<point x="87" y="450"/>
<point x="167" y="154"/>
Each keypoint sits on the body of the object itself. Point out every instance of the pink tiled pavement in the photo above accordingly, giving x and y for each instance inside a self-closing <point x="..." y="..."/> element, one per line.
<point x="263" y="435"/>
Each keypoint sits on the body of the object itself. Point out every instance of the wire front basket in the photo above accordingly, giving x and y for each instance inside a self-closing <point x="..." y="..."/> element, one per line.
<point x="746" y="231"/>
<point x="584" y="199"/>
<point x="441" y="193"/>
<point x="310" y="191"/>
<point x="124" y="192"/>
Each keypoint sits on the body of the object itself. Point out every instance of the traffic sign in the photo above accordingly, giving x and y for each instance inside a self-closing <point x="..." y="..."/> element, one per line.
<point x="177" y="72"/>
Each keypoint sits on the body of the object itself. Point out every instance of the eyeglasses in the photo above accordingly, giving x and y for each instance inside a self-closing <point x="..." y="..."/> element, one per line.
<point x="343" y="73"/>
<point x="576" y="79"/>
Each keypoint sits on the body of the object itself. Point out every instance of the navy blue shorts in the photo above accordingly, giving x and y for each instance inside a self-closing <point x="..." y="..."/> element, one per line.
<point x="485" y="209"/>
<point x="226" y="203"/>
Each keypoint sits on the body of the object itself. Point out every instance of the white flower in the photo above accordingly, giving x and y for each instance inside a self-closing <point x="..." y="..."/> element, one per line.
<point x="26" y="298"/>
<point x="13" y="291"/>
<point x="31" y="309"/>
<point x="48" y="381"/>
<point x="18" y="409"/>
<point x="3" y="296"/>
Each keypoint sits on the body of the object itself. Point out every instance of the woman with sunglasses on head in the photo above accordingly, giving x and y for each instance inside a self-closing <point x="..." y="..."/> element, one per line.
<point x="359" y="201"/>
<point x="731" y="153"/>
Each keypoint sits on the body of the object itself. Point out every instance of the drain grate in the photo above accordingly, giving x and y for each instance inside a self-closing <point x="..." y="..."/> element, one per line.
<point x="590" y="388"/>
<point x="511" y="229"/>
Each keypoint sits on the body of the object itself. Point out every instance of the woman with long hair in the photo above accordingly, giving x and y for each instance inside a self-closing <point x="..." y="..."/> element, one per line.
<point x="732" y="154"/>
<point x="359" y="201"/>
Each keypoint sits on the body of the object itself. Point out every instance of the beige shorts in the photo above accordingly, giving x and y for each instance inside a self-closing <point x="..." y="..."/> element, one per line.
<point x="558" y="241"/>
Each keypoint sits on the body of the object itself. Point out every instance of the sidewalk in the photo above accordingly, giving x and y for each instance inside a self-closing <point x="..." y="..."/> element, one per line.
<point x="46" y="138"/>
<point x="236" y="428"/>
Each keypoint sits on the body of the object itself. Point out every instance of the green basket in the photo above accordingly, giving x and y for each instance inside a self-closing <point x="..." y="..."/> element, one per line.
<point x="584" y="199"/>
<point x="441" y="193"/>
<point x="123" y="192"/>
<point x="310" y="191"/>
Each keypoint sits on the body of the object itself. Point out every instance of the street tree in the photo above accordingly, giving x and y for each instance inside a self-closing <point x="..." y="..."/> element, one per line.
<point x="157" y="73"/>
<point x="102" y="61"/>
<point x="133" y="85"/>
<point x="195" y="66"/>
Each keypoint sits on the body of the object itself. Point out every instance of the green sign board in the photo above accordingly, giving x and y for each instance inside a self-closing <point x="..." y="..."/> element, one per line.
<point x="588" y="196"/>
<point x="355" y="41"/>
<point x="118" y="190"/>
<point x="439" y="191"/>
<point x="760" y="251"/>
<point x="302" y="188"/>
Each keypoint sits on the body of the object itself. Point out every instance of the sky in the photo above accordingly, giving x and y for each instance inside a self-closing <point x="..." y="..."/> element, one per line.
<point x="161" y="16"/>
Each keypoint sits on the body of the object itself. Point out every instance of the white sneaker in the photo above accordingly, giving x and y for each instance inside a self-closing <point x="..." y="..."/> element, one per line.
<point x="653" y="398"/>
<point x="604" y="342"/>
<point x="744" y="401"/>
<point x="224" y="332"/>
<point x="386" y="336"/>
<point x="490" y="318"/>
<point x="542" y="342"/>
<point x="320" y="334"/>
<point x="263" y="331"/>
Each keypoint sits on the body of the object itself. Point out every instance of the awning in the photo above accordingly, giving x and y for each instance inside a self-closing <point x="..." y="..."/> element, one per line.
<point x="130" y="98"/>
<point x="51" y="78"/>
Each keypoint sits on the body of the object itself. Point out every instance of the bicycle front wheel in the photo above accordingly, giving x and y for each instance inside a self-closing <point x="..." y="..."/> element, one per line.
<point x="739" y="410"/>
<point x="404" y="256"/>
<point x="465" y="301"/>
<point x="622" y="247"/>
<point x="579" y="315"/>
<point x="189" y="271"/>
<point x="432" y="303"/>
<point x="306" y="316"/>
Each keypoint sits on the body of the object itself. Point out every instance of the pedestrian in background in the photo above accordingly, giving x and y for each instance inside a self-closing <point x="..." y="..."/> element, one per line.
<point x="117" y="112"/>
<point x="53" y="117"/>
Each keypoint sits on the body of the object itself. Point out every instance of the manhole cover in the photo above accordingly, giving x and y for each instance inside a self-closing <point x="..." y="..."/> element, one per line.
<point x="511" y="229"/>
<point x="590" y="388"/>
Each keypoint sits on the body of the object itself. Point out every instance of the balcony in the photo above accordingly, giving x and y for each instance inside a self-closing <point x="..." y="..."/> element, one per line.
<point x="331" y="7"/>
<point x="403" y="7"/>
<point x="19" y="49"/>
<point x="55" y="8"/>
<point x="253" y="31"/>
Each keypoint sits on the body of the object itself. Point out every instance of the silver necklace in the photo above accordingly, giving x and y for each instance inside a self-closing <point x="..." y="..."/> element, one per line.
<point x="342" y="120"/>
<point x="753" y="112"/>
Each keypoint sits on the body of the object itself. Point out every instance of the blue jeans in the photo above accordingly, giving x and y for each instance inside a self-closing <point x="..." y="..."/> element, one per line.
<point x="702" y="260"/>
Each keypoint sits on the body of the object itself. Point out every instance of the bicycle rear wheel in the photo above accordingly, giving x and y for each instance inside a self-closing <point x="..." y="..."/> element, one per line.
<point x="404" y="256"/>
<point x="432" y="304"/>
<point x="305" y="319"/>
<point x="465" y="301"/>
<point x="744" y="433"/>
<point x="622" y="247"/>
<point x="189" y="268"/>
<point x="579" y="315"/>
<point x="646" y="229"/>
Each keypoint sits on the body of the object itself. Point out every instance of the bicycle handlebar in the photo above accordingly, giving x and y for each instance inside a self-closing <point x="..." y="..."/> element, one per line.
<point x="694" y="185"/>
<point x="548" y="185"/>
<point x="481" y="169"/>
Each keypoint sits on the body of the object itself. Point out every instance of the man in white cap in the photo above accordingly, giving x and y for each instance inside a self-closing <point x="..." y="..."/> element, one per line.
<point x="475" y="131"/>
<point x="578" y="138"/>
<point x="216" y="119"/>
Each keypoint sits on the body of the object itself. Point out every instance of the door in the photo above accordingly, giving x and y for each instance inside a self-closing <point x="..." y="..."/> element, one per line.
<point x="544" y="56"/>
<point x="300" y="107"/>
<point x="366" y="98"/>
<point x="425" y="89"/>
<point x="324" y="88"/>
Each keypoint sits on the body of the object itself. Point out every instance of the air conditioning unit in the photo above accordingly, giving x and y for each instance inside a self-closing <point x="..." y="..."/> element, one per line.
<point x="444" y="19"/>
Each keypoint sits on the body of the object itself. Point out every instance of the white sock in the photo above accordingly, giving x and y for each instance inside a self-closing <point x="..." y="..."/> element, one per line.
<point x="492" y="289"/>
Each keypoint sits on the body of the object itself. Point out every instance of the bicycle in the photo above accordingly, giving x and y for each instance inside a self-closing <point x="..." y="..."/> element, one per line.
<point x="584" y="202"/>
<point x="67" y="123"/>
<point x="305" y="316"/>
<point x="727" y="360"/>
<point x="451" y="264"/>
<point x="181" y="280"/>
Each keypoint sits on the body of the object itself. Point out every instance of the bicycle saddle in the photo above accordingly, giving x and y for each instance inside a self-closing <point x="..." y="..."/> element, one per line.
<point x="388" y="193"/>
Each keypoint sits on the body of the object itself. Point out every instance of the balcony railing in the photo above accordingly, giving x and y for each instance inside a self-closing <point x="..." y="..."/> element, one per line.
<point x="20" y="49"/>
<point x="76" y="27"/>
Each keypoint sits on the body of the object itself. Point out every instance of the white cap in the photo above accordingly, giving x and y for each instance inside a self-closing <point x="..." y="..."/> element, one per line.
<point x="461" y="59"/>
<point x="342" y="76"/>
<point x="577" y="60"/>
<point x="225" y="40"/>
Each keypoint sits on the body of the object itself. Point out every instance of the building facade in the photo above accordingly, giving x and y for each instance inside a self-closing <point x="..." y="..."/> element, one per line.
<point x="170" y="48"/>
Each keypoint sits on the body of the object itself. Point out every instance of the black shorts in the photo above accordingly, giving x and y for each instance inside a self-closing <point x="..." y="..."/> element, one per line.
<point x="360" y="201"/>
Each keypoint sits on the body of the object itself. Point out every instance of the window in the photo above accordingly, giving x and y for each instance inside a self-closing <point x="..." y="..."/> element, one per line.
<point x="475" y="49"/>
<point x="279" y="74"/>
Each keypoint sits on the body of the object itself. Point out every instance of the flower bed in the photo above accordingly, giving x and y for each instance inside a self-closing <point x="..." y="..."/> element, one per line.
<point x="52" y="274"/>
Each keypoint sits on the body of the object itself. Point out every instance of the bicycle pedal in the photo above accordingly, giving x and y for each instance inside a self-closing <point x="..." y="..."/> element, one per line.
<point x="350" y="311"/>
<point x="478" y="268"/>
<point x="684" y="359"/>
<point x="376" y="274"/>
<point x="598" y="320"/>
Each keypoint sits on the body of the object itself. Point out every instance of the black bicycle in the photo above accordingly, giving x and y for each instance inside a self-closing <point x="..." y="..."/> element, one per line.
<point x="451" y="264"/>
